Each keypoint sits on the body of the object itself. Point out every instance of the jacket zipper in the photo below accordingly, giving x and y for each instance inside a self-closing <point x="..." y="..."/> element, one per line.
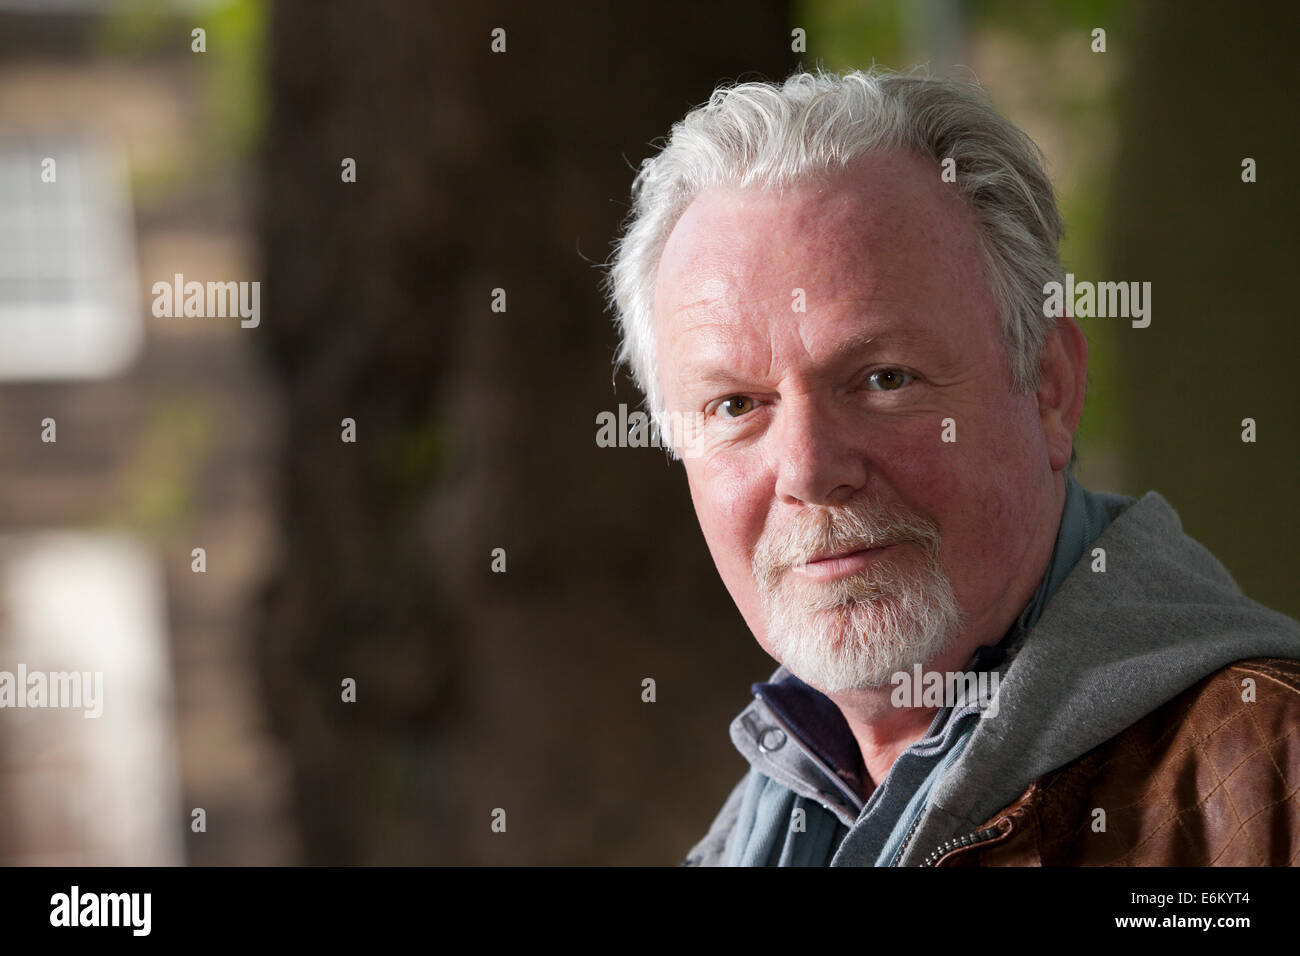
<point x="970" y="839"/>
<point x="906" y="840"/>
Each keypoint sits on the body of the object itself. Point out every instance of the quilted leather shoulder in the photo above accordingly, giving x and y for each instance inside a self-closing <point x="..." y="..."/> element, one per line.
<point x="1208" y="779"/>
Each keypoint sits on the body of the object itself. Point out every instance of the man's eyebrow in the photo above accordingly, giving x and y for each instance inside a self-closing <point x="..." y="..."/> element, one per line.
<point x="708" y="371"/>
<point x="861" y="341"/>
<point x="712" y="376"/>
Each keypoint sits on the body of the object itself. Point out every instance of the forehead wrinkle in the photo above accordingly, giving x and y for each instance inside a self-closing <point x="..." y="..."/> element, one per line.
<point x="715" y="359"/>
<point x="871" y="295"/>
<point x="716" y="329"/>
<point x="718" y="304"/>
<point x="727" y="332"/>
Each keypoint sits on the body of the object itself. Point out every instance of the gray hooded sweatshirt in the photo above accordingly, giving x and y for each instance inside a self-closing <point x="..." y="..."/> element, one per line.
<point x="1093" y="653"/>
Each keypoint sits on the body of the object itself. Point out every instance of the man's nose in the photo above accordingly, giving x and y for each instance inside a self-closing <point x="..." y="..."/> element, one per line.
<point x="818" y="453"/>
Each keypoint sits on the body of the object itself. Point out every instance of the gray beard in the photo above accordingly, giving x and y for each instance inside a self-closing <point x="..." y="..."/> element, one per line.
<point x="857" y="631"/>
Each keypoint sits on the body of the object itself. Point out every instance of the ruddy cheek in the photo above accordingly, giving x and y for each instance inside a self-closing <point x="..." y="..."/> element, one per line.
<point x="725" y="511"/>
<point x="736" y="489"/>
<point x="922" y="469"/>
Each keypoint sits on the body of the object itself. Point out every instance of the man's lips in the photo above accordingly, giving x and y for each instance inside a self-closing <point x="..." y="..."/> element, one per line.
<point x="833" y="565"/>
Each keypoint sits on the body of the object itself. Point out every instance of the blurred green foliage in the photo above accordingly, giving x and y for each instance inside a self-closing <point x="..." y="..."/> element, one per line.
<point x="850" y="34"/>
<point x="233" y="64"/>
<point x="159" y="486"/>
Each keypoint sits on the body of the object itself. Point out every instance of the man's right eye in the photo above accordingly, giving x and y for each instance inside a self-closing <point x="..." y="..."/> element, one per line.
<point x="735" y="406"/>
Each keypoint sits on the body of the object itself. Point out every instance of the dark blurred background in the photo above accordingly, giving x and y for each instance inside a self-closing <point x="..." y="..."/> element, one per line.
<point x="323" y="559"/>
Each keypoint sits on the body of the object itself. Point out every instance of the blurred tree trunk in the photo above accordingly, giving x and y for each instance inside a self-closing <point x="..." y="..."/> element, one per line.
<point x="475" y="430"/>
<point x="1206" y="91"/>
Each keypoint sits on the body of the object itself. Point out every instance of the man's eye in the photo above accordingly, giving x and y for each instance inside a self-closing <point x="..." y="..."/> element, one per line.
<point x="887" y="380"/>
<point x="736" y="405"/>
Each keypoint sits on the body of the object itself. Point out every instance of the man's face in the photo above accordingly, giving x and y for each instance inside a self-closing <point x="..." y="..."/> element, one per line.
<point x="832" y="338"/>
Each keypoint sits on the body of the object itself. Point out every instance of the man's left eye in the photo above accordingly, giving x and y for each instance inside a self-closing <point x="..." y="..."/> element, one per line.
<point x="887" y="380"/>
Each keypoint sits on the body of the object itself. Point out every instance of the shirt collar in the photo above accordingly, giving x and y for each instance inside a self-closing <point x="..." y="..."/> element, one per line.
<point x="817" y="723"/>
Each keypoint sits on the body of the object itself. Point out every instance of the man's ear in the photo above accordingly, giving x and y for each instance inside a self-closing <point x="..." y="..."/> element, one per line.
<point x="1062" y="378"/>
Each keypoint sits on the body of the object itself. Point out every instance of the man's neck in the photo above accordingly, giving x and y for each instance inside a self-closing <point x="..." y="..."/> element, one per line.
<point x="883" y="730"/>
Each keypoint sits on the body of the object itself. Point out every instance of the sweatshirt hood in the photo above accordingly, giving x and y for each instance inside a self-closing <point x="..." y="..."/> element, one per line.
<point x="1110" y="647"/>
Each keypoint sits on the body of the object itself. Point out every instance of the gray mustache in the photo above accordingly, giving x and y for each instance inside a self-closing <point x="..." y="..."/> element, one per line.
<point x="854" y="529"/>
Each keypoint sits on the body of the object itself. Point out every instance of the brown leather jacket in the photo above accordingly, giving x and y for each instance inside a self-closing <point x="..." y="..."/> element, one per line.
<point x="1211" y="778"/>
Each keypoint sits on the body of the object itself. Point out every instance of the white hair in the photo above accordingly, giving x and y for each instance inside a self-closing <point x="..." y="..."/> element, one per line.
<point x="773" y="136"/>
